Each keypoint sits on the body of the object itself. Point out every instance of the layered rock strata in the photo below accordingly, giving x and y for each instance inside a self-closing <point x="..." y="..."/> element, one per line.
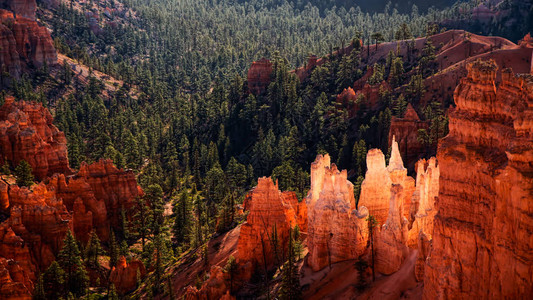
<point x="271" y="214"/>
<point x="337" y="231"/>
<point x="402" y="209"/>
<point x="97" y="194"/>
<point x="405" y="130"/>
<point x="23" y="44"/>
<point x="483" y="230"/>
<point x="27" y="133"/>
<point x="34" y="220"/>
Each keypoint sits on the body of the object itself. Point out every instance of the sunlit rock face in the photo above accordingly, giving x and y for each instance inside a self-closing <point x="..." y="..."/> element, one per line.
<point x="35" y="220"/>
<point x="30" y="237"/>
<point x="483" y="230"/>
<point x="376" y="187"/>
<point x="336" y="230"/>
<point x="271" y="214"/>
<point x="17" y="272"/>
<point x="403" y="210"/>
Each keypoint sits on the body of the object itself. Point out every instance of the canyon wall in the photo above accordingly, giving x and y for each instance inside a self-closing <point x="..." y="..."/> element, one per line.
<point x="482" y="240"/>
<point x="97" y="194"/>
<point x="27" y="133"/>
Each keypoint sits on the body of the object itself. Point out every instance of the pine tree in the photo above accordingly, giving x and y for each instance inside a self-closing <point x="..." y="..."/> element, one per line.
<point x="70" y="260"/>
<point x="372" y="223"/>
<point x="290" y="282"/>
<point x="24" y="174"/>
<point x="39" y="292"/>
<point x="93" y="250"/>
<point x="143" y="219"/>
<point x="181" y="210"/>
<point x="114" y="250"/>
<point x="231" y="267"/>
<point x="112" y="294"/>
<point x="54" y="281"/>
<point x="4" y="169"/>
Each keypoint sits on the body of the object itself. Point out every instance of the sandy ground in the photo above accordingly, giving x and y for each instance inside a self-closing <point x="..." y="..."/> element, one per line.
<point x="340" y="283"/>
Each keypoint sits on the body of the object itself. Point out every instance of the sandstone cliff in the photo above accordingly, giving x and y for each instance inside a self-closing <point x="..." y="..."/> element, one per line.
<point x="403" y="209"/>
<point x="271" y="212"/>
<point x="34" y="220"/>
<point x="482" y="232"/>
<point x="27" y="133"/>
<point x="336" y="230"/>
<point x="23" y="44"/>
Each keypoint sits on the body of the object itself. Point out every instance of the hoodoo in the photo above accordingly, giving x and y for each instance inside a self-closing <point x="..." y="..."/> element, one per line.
<point x="482" y="236"/>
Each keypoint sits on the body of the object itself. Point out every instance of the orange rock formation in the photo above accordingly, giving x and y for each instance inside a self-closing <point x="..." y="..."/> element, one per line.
<point x="27" y="133"/>
<point x="97" y="194"/>
<point x="483" y="230"/>
<point x="405" y="130"/>
<point x="216" y="287"/>
<point x="402" y="209"/>
<point x="124" y="275"/>
<point x="270" y="210"/>
<point x="336" y="230"/>
<point x="23" y="44"/>
<point x="35" y="220"/>
<point x="259" y="76"/>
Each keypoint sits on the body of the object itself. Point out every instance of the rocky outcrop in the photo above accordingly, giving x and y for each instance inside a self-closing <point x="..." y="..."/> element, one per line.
<point x="30" y="237"/>
<point x="270" y="214"/>
<point x="97" y="194"/>
<point x="216" y="287"/>
<point x="402" y="209"/>
<point x="422" y="213"/>
<point x="405" y="130"/>
<point x="367" y="98"/>
<point x="40" y="219"/>
<point x="27" y="133"/>
<point x="259" y="76"/>
<point x="482" y="232"/>
<point x="390" y="244"/>
<point x="23" y="8"/>
<point x="23" y="44"/>
<point x="17" y="271"/>
<point x="125" y="275"/>
<point x="375" y="189"/>
<point x="336" y="230"/>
